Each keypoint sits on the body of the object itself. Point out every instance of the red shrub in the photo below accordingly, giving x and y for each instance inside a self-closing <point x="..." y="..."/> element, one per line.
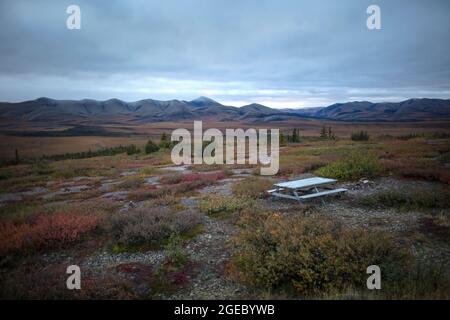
<point x="180" y="277"/>
<point x="213" y="176"/>
<point x="189" y="177"/>
<point x="44" y="231"/>
<point x="49" y="282"/>
<point x="415" y="171"/>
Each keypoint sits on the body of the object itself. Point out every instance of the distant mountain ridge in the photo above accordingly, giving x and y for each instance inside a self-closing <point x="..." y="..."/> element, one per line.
<point x="50" y="112"/>
<point x="408" y="110"/>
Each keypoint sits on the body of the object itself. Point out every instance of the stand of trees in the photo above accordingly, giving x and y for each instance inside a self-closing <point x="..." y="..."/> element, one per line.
<point x="327" y="133"/>
<point x="130" y="149"/>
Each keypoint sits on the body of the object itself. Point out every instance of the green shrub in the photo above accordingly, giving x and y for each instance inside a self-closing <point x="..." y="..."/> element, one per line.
<point x="151" y="147"/>
<point x="223" y="205"/>
<point x="408" y="200"/>
<point x="423" y="279"/>
<point x="87" y="154"/>
<point x="314" y="257"/>
<point x="5" y="175"/>
<point x="445" y="157"/>
<point x="70" y="172"/>
<point x="437" y="224"/>
<point x="174" y="251"/>
<point x="132" y="149"/>
<point x="173" y="273"/>
<point x="360" y="136"/>
<point x="149" y="170"/>
<point x="354" y="166"/>
<point x="42" y="167"/>
<point x="252" y="188"/>
<point x="165" y="142"/>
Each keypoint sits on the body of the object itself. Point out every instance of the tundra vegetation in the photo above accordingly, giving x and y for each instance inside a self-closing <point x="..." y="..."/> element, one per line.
<point x="140" y="227"/>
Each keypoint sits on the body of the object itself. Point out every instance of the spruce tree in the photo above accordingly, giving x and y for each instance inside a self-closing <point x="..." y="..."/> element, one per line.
<point x="323" y="133"/>
<point x="282" y="139"/>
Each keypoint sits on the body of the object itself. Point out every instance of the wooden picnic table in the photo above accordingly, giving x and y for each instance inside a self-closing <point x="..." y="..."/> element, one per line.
<point x="304" y="189"/>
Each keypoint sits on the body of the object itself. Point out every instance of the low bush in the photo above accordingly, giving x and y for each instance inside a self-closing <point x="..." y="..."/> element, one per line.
<point x="4" y="174"/>
<point x="417" y="170"/>
<point x="355" y="165"/>
<point x="149" y="170"/>
<point x="252" y="188"/>
<point x="150" y="226"/>
<point x="172" y="190"/>
<point x="313" y="257"/>
<point x="70" y="172"/>
<point x="423" y="199"/>
<point x="189" y="177"/>
<point x="148" y="193"/>
<point x="25" y="211"/>
<point x="44" y="232"/>
<point x="87" y="154"/>
<point x="48" y="282"/>
<point x="445" y="157"/>
<point x="173" y="273"/>
<point x="42" y="167"/>
<point x="151" y="147"/>
<point x="437" y="225"/>
<point x="176" y="256"/>
<point x="132" y="149"/>
<point x="290" y="169"/>
<point x="131" y="183"/>
<point x="223" y="205"/>
<point x="360" y="136"/>
<point x="164" y="200"/>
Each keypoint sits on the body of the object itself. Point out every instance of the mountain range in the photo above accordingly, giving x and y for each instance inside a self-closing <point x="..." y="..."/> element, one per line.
<point x="50" y="112"/>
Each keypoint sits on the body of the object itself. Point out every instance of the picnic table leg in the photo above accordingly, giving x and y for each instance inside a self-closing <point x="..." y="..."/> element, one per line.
<point x="317" y="190"/>
<point x="297" y="196"/>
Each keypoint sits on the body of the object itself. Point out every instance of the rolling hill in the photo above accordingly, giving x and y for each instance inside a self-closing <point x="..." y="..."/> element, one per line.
<point x="409" y="110"/>
<point x="46" y="112"/>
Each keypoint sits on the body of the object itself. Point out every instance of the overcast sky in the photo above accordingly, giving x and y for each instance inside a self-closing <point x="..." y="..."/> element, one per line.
<point x="279" y="53"/>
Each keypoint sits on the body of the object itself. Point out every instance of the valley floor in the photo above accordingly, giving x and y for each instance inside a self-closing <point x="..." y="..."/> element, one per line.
<point x="201" y="261"/>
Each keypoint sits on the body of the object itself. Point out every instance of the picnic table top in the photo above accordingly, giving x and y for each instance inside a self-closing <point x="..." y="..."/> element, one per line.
<point x="304" y="183"/>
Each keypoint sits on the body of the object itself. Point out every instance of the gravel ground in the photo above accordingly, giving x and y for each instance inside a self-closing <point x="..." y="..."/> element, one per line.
<point x="103" y="261"/>
<point x="210" y="252"/>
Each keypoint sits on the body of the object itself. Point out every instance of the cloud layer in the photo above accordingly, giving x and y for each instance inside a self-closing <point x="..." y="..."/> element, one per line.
<point x="280" y="53"/>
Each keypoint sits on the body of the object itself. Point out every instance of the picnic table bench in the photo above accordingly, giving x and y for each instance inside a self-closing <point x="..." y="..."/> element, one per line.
<point x="304" y="189"/>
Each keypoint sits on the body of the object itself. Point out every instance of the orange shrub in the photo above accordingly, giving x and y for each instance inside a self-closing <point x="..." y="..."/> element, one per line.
<point x="44" y="231"/>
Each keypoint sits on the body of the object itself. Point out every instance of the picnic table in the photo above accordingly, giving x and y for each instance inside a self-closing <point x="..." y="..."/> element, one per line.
<point x="304" y="189"/>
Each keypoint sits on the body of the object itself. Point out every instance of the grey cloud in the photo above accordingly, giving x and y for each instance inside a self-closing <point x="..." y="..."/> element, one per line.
<point x="285" y="53"/>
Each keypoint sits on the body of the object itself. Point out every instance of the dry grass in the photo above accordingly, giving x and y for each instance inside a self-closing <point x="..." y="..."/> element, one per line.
<point x="39" y="146"/>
